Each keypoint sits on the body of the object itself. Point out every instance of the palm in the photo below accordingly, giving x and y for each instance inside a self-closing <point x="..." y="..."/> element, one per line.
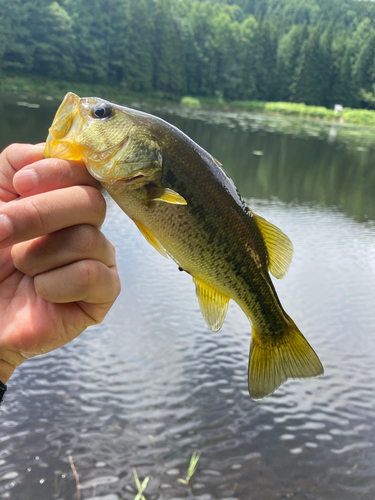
<point x="28" y="323"/>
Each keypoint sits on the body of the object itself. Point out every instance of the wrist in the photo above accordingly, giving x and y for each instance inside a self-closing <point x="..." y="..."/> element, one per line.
<point x="6" y="370"/>
<point x="3" y="389"/>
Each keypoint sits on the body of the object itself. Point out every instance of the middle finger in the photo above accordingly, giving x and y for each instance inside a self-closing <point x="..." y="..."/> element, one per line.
<point x="28" y="218"/>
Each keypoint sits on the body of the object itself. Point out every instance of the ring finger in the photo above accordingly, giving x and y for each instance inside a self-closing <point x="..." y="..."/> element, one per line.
<point x="61" y="248"/>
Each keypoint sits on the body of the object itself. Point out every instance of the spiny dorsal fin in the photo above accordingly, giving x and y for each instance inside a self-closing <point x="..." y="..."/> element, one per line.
<point x="279" y="247"/>
<point x="167" y="195"/>
<point x="213" y="304"/>
<point x="271" y="364"/>
<point x="150" y="238"/>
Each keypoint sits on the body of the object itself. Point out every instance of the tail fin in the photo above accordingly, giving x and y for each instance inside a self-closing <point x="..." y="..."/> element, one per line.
<point x="272" y="363"/>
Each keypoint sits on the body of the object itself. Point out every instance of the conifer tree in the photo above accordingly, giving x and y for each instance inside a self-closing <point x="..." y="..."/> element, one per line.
<point x="289" y="51"/>
<point x="309" y="84"/>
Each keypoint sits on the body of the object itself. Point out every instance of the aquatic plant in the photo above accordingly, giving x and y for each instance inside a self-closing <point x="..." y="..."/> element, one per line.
<point x="190" y="102"/>
<point x="191" y="470"/>
<point x="140" y="486"/>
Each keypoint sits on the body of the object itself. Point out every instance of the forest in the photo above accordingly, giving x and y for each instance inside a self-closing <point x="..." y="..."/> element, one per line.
<point x="319" y="52"/>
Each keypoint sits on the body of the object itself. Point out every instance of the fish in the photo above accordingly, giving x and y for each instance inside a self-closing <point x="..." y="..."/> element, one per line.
<point x="188" y="209"/>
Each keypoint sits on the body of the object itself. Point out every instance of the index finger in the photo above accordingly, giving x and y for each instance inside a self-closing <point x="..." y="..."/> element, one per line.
<point x="12" y="159"/>
<point x="50" y="174"/>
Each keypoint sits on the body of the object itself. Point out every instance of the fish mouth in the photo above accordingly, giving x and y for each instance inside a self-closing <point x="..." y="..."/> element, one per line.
<point x="58" y="145"/>
<point x="134" y="178"/>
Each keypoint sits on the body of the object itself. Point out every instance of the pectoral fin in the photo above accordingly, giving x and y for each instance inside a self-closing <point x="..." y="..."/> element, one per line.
<point x="213" y="305"/>
<point x="167" y="195"/>
<point x="279" y="247"/>
<point x="150" y="238"/>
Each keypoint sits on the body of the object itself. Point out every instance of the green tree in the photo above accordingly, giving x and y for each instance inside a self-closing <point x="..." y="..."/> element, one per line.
<point x="227" y="55"/>
<point x="91" y="31"/>
<point x="309" y="83"/>
<point x="368" y="97"/>
<point x="18" y="48"/>
<point x="265" y="45"/>
<point x="289" y="51"/>
<point x="53" y="41"/>
<point x="248" y="80"/>
<point x="200" y="49"/>
<point x="284" y="14"/>
<point x="138" y="63"/>
<point x="343" y="88"/>
<point x="316" y="51"/>
<point x="364" y="69"/>
<point x="328" y="67"/>
<point x="2" y="33"/>
<point x="167" y="49"/>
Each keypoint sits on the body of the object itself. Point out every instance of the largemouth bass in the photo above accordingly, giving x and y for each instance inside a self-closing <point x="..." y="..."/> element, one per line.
<point x="187" y="207"/>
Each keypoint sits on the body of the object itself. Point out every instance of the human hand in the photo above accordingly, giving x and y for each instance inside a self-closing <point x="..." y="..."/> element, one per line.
<point x="58" y="272"/>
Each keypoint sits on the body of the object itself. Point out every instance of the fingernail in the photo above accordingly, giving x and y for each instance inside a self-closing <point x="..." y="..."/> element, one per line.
<point x="25" y="180"/>
<point x="6" y="228"/>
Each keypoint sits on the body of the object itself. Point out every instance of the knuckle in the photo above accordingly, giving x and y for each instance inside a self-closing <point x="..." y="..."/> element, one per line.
<point x="88" y="274"/>
<point x="10" y="152"/>
<point x="98" y="201"/>
<point x="93" y="202"/>
<point x="111" y="252"/>
<point x="117" y="286"/>
<point x="58" y="165"/>
<point x="38" y="216"/>
<point x="24" y="256"/>
<point x="11" y="148"/>
<point x="42" y="285"/>
<point x="113" y="285"/>
<point x="14" y="147"/>
<point x="19" y="258"/>
<point x="85" y="239"/>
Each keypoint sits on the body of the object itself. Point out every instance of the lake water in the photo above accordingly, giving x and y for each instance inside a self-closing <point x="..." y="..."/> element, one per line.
<point x="152" y="385"/>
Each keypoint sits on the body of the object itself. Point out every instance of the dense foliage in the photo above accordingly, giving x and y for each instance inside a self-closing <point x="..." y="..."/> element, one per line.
<point x="319" y="52"/>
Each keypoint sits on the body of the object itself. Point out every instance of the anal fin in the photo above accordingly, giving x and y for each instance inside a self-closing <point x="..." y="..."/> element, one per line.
<point x="213" y="304"/>
<point x="150" y="238"/>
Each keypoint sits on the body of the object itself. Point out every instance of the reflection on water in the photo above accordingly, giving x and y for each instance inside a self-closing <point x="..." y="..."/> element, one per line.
<point x="152" y="384"/>
<point x="291" y="159"/>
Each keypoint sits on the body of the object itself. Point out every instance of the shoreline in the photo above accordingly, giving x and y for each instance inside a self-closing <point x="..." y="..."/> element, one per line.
<point x="38" y="88"/>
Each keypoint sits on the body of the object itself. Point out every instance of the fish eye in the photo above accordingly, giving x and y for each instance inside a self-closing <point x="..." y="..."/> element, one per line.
<point x="101" y="110"/>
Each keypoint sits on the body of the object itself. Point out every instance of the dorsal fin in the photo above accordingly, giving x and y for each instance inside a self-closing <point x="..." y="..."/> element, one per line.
<point x="150" y="238"/>
<point x="279" y="247"/>
<point x="213" y="304"/>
